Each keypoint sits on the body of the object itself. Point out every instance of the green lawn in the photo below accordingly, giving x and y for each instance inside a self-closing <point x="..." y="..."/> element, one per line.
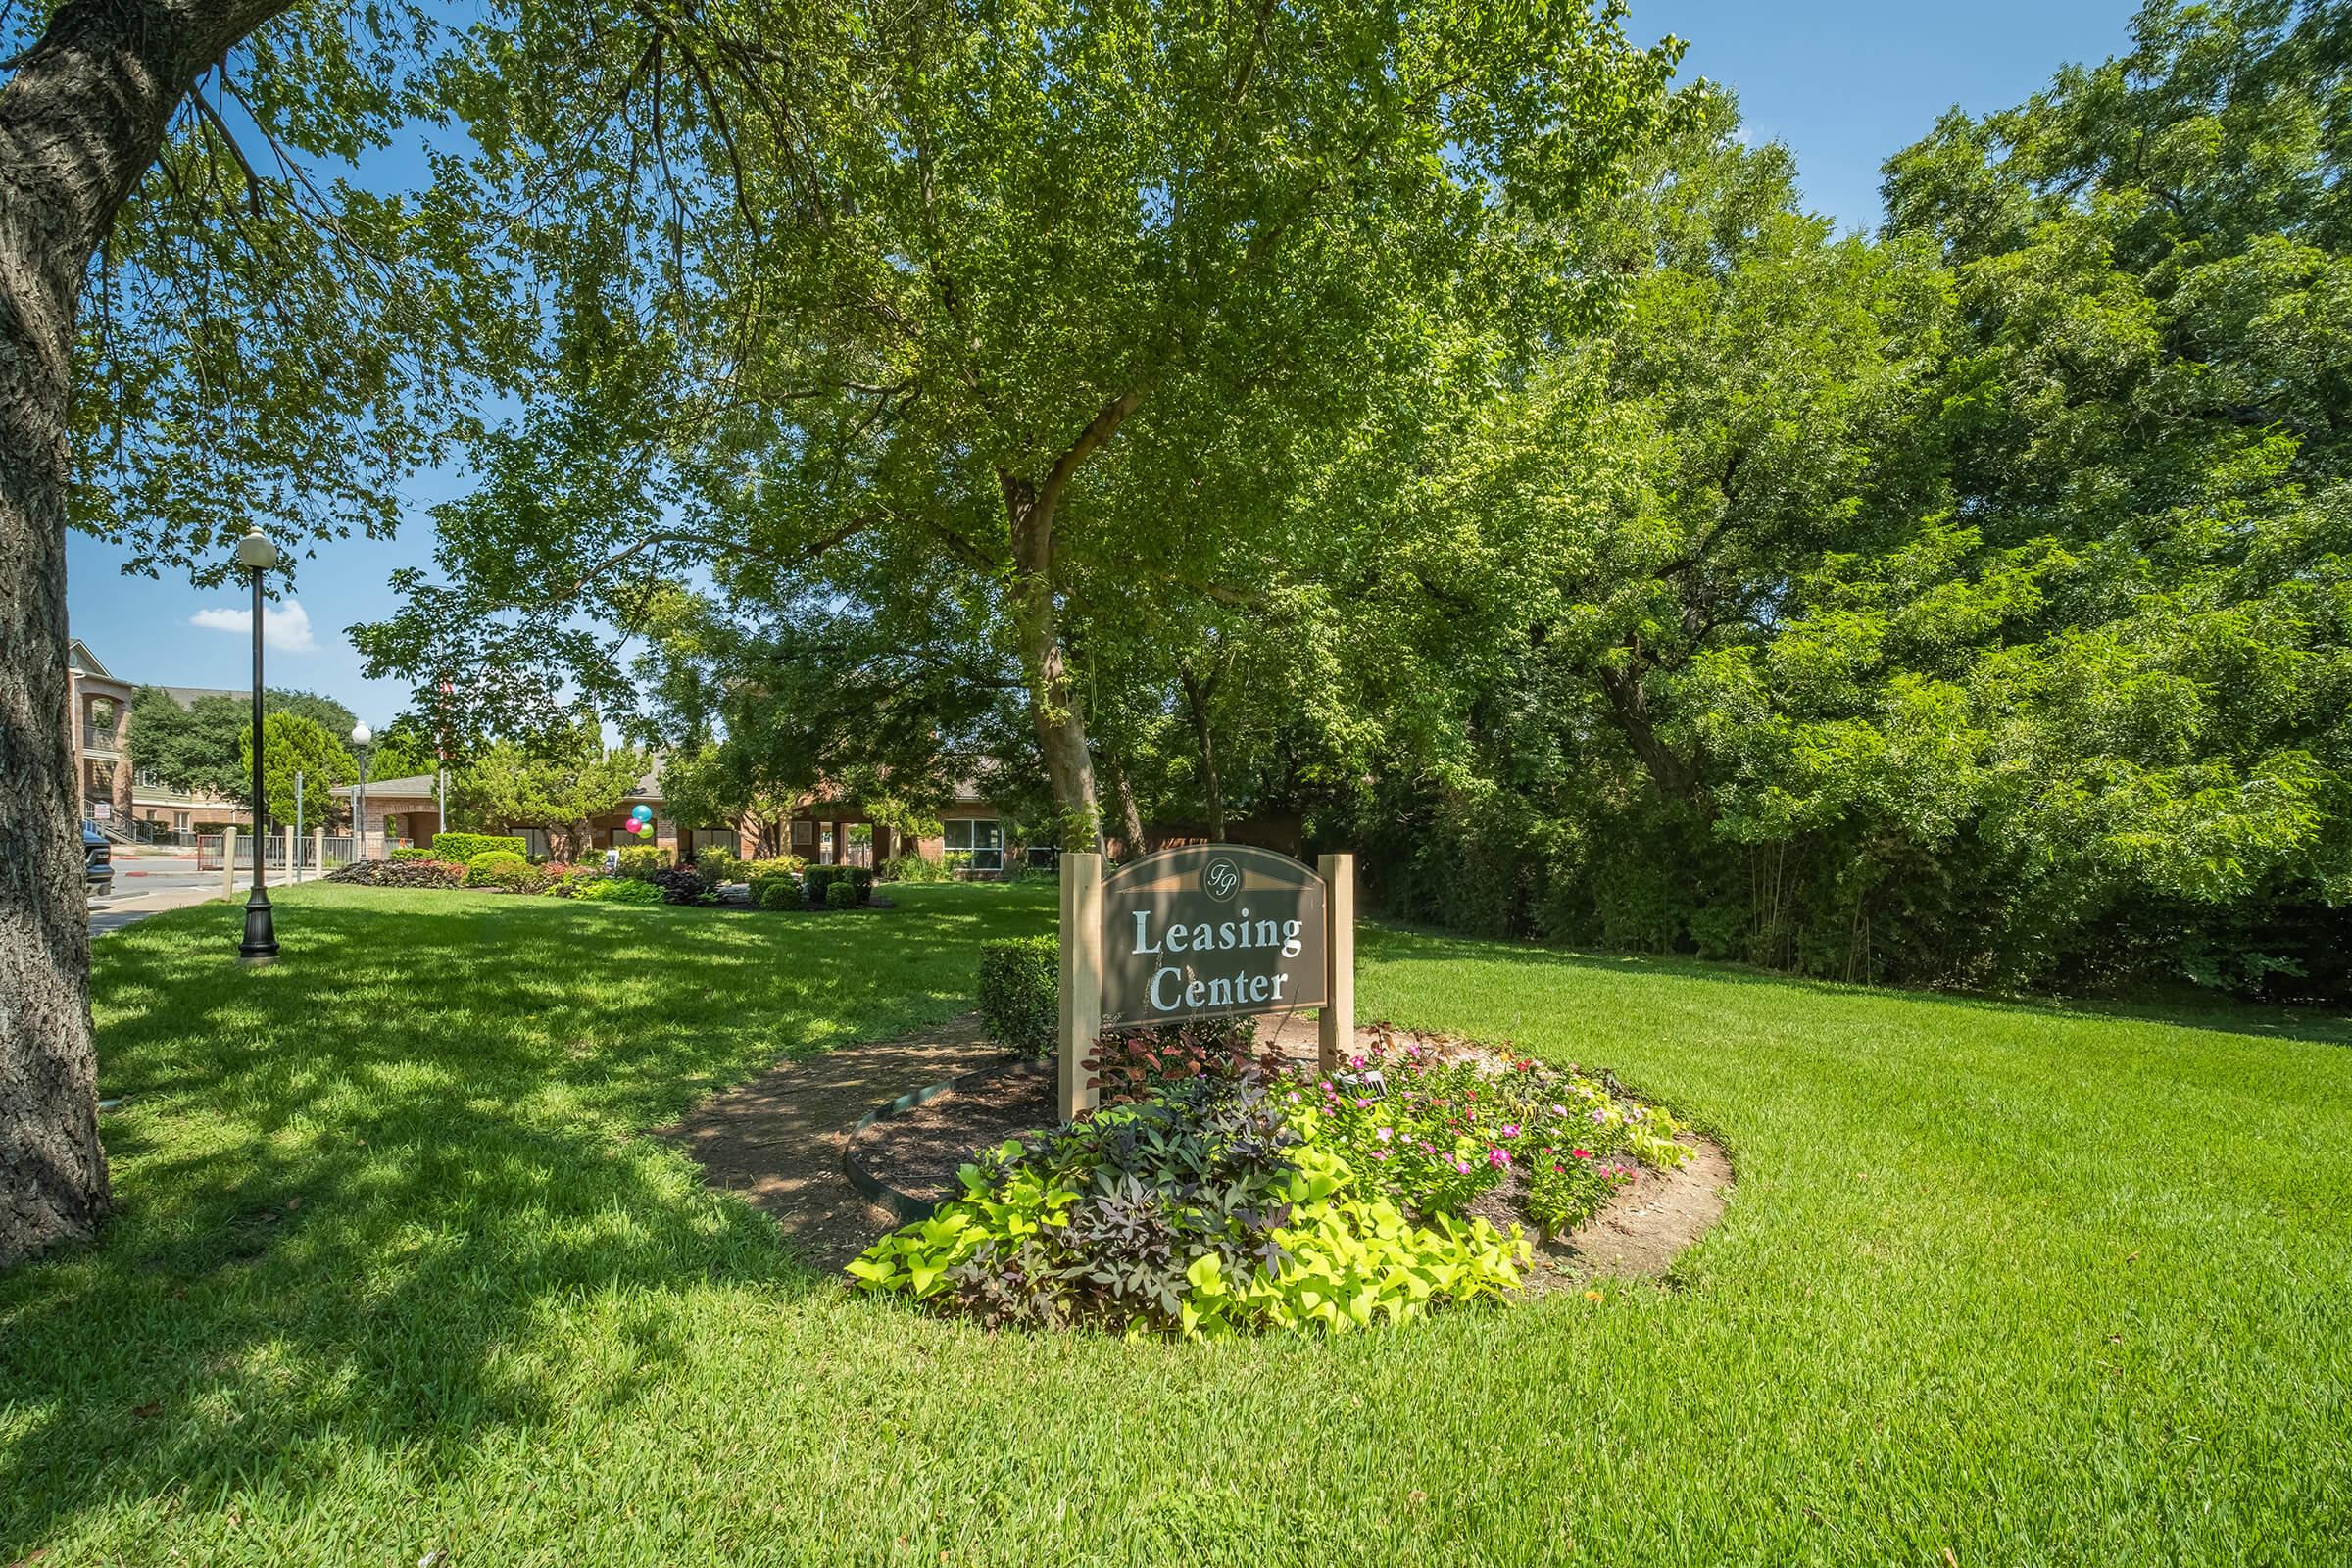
<point x="395" y="1274"/>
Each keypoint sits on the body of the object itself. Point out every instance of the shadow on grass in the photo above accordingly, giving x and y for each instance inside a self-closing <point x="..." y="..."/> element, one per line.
<point x="362" y="1192"/>
<point x="1396" y="941"/>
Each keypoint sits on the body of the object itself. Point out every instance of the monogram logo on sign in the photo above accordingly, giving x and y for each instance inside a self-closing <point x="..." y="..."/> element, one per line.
<point x="1220" y="879"/>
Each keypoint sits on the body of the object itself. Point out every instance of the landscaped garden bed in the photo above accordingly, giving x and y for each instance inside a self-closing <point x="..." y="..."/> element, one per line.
<point x="640" y="874"/>
<point x="1231" y="1192"/>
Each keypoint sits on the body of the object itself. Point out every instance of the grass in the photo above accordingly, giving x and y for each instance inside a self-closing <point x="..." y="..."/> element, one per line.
<point x="395" y="1274"/>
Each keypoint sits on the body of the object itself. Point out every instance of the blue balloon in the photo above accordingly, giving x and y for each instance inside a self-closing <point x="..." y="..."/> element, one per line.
<point x="643" y="814"/>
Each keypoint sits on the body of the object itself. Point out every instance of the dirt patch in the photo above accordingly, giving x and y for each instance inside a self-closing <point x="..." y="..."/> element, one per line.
<point x="778" y="1139"/>
<point x="919" y="1151"/>
<point x="1644" y="1228"/>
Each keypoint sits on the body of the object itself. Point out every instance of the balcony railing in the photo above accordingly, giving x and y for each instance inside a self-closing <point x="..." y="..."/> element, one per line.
<point x="95" y="738"/>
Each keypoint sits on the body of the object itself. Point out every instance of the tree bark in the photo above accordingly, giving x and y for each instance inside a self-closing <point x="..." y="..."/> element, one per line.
<point x="1053" y="703"/>
<point x="80" y="120"/>
<point x="1212" y="793"/>
<point x="1629" y="704"/>
<point x="1122" y="801"/>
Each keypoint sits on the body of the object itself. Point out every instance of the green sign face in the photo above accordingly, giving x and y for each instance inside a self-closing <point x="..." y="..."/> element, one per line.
<point x="1210" y="931"/>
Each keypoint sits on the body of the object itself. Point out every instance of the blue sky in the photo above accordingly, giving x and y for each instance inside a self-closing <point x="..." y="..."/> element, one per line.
<point x="1844" y="83"/>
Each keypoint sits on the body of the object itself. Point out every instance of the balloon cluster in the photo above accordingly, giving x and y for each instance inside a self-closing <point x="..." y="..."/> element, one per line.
<point x="641" y="822"/>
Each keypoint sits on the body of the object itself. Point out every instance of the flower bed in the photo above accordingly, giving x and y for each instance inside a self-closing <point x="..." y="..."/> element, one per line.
<point x="1238" y="1201"/>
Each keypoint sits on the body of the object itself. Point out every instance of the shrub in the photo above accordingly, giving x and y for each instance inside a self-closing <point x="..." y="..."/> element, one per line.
<point x="408" y="851"/>
<point x="400" y="874"/>
<point x="564" y="879"/>
<point x="1200" y="1211"/>
<point x="464" y="847"/>
<point x="842" y="895"/>
<point x="618" y="889"/>
<point x="1020" y="993"/>
<point x="641" y="861"/>
<point x="1438" y="1132"/>
<point x="820" y="879"/>
<point x="717" y="865"/>
<point x="913" y="868"/>
<point x="1127" y="1066"/>
<point x="781" y="871"/>
<point x="503" y="869"/>
<point x="680" y="884"/>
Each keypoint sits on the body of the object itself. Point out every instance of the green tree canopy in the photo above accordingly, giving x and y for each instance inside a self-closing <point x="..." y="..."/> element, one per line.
<point x="1053" y="298"/>
<point x="293" y="743"/>
<point x="557" y="789"/>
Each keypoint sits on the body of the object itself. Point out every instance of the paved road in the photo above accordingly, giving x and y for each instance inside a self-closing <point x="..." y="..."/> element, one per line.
<point x="148" y="884"/>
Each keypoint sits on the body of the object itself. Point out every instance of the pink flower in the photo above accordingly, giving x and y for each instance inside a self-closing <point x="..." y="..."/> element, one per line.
<point x="1582" y="1153"/>
<point x="1497" y="1159"/>
<point x="1510" y="1128"/>
<point x="1357" y="1060"/>
<point x="1600" y="1116"/>
<point x="1380" y="1153"/>
<point x="1462" y="1166"/>
<point x="1361" y="1103"/>
<point x="1559" y="1111"/>
<point x="1381" y="1133"/>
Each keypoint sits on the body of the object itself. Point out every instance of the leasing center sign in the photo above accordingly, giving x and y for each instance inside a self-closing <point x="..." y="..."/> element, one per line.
<point x="1209" y="931"/>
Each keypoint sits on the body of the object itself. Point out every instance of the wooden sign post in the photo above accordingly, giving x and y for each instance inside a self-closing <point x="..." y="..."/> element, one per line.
<point x="1335" y="1029"/>
<point x="1081" y="979"/>
<point x="1205" y="931"/>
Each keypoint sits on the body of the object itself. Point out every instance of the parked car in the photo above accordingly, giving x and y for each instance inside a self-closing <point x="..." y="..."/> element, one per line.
<point x="97" y="860"/>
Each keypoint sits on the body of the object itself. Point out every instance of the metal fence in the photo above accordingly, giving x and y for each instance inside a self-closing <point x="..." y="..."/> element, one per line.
<point x="312" y="852"/>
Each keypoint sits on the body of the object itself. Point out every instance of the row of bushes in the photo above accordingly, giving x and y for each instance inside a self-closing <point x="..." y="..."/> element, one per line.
<point x="509" y="871"/>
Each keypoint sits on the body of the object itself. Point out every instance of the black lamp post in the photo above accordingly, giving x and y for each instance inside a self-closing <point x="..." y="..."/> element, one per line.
<point x="257" y="555"/>
<point x="361" y="736"/>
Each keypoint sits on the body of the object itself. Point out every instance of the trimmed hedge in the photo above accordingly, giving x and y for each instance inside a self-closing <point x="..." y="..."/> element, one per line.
<point x="464" y="847"/>
<point x="819" y="879"/>
<point x="409" y="852"/>
<point x="841" y="894"/>
<point x="503" y="869"/>
<point x="775" y="882"/>
<point x="1020" y="993"/>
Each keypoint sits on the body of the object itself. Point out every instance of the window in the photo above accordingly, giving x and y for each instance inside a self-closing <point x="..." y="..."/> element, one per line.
<point x="715" y="838"/>
<point x="982" y="838"/>
<point x="179" y="819"/>
<point x="534" y="841"/>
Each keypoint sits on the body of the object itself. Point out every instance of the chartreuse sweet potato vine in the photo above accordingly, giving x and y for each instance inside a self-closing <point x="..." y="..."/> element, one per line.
<point x="1217" y="1206"/>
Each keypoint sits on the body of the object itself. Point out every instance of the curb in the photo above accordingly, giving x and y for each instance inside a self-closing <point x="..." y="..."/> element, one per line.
<point x="906" y="1206"/>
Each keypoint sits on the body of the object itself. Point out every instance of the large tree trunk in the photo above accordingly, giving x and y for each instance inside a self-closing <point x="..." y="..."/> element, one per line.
<point x="1122" y="801"/>
<point x="1053" y="702"/>
<point x="1629" y="704"/>
<point x="80" y="120"/>
<point x="1212" y="793"/>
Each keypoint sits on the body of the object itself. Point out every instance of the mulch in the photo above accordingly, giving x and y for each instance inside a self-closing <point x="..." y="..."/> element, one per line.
<point x="778" y="1140"/>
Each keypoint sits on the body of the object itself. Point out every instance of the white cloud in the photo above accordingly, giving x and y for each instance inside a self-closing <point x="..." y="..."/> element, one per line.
<point x="286" y="627"/>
